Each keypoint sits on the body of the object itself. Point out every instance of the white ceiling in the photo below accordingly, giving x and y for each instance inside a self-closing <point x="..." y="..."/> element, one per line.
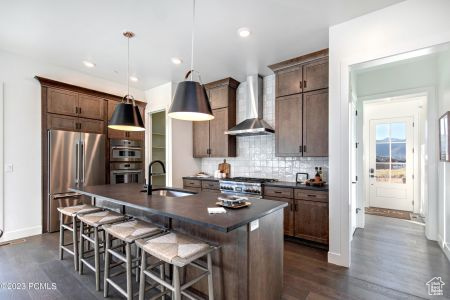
<point x="67" y="32"/>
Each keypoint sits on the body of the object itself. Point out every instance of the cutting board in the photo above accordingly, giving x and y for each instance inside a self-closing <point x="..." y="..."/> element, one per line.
<point x="225" y="168"/>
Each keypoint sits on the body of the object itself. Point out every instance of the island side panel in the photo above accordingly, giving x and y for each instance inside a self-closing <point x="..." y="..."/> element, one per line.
<point x="230" y="262"/>
<point x="265" y="258"/>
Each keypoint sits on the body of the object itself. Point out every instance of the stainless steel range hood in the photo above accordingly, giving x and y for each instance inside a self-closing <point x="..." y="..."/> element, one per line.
<point x="253" y="123"/>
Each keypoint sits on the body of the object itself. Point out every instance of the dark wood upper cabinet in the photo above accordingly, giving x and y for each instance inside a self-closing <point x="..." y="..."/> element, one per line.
<point x="289" y="81"/>
<point x="62" y="102"/>
<point x="315" y="123"/>
<point x="61" y="122"/>
<point x="209" y="138"/>
<point x="91" y="107"/>
<point x="91" y="126"/>
<point x="315" y="75"/>
<point x="311" y="220"/>
<point x="288" y="125"/>
<point x="302" y="125"/>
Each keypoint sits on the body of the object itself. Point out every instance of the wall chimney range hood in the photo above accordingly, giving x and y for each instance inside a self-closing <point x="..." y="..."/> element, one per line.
<point x="254" y="123"/>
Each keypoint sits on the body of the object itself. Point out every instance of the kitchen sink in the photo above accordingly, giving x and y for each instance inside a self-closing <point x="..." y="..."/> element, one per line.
<point x="170" y="192"/>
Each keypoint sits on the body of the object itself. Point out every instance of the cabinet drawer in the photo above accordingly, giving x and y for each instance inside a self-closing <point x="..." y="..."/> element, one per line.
<point x="192" y="189"/>
<point x="278" y="192"/>
<point x="311" y="195"/>
<point x="211" y="185"/>
<point x="192" y="183"/>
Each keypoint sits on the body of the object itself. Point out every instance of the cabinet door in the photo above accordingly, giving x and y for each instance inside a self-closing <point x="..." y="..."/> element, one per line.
<point x="91" y="107"/>
<point x="289" y="81"/>
<point x="62" y="102"/>
<point x="218" y="140"/>
<point x="201" y="139"/>
<point x="311" y="220"/>
<point x="288" y="126"/>
<point x="91" y="126"/>
<point x="138" y="135"/>
<point x="288" y="215"/>
<point x="60" y="122"/>
<point x="218" y="97"/>
<point x="315" y="123"/>
<point x="315" y="75"/>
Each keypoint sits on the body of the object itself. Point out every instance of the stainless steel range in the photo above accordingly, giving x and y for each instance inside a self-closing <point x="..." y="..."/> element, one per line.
<point x="251" y="187"/>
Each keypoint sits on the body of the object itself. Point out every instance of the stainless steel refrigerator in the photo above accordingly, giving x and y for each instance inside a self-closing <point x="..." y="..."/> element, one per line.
<point x="74" y="159"/>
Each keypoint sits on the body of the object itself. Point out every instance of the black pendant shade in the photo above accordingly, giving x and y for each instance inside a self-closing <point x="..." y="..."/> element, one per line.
<point x="126" y="117"/>
<point x="191" y="103"/>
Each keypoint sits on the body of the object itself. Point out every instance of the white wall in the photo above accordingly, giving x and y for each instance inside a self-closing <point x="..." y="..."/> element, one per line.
<point x="256" y="154"/>
<point x="179" y="149"/>
<point x="22" y="136"/>
<point x="444" y="167"/>
<point x="400" y="28"/>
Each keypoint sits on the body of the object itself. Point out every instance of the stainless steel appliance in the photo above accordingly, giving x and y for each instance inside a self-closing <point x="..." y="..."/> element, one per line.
<point x="126" y="172"/>
<point x="251" y="187"/>
<point x="74" y="159"/>
<point x="125" y="150"/>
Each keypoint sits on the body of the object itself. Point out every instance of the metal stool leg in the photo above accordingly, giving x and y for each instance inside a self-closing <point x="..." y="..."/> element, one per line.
<point x="107" y="262"/>
<point x="162" y="270"/>
<point x="75" y="242"/>
<point x="142" y="276"/>
<point x="61" y="236"/>
<point x="97" y="259"/>
<point x="81" y="249"/>
<point x="210" y="277"/>
<point x="176" y="283"/>
<point x="129" y="271"/>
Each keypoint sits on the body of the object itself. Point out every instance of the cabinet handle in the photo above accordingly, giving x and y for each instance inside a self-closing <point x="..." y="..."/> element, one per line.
<point x="300" y="149"/>
<point x="314" y="196"/>
<point x="304" y="84"/>
<point x="295" y="207"/>
<point x="304" y="148"/>
<point x="301" y="84"/>
<point x="79" y="110"/>
<point x="277" y="192"/>
<point x="292" y="207"/>
<point x="76" y="109"/>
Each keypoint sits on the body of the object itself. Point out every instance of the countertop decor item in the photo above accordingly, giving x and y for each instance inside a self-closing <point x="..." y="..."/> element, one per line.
<point x="225" y="168"/>
<point x="126" y="115"/>
<point x="444" y="137"/>
<point x="191" y="102"/>
<point x="298" y="180"/>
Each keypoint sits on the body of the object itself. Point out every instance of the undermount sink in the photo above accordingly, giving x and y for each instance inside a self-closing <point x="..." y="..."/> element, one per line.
<point x="170" y="193"/>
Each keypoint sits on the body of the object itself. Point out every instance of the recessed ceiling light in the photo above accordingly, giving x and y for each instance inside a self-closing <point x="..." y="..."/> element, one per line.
<point x="176" y="60"/>
<point x="88" y="64"/>
<point x="134" y="78"/>
<point x="244" y="32"/>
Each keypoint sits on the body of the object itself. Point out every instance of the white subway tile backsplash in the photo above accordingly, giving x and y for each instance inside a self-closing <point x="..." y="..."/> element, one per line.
<point x="256" y="154"/>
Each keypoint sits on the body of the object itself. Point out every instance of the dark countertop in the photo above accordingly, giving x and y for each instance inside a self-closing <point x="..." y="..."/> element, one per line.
<point x="294" y="185"/>
<point x="285" y="184"/>
<point x="191" y="209"/>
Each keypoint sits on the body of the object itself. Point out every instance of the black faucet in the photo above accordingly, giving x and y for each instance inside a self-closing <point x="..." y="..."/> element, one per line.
<point x="150" y="174"/>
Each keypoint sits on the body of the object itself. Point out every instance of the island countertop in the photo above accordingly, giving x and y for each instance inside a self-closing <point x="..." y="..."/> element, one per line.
<point x="191" y="209"/>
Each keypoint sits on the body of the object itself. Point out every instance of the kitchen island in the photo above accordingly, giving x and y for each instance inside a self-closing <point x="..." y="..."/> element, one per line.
<point x="249" y="263"/>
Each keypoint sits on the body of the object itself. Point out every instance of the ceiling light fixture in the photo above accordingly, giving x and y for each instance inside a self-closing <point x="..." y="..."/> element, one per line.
<point x="191" y="102"/>
<point x="126" y="115"/>
<point x="244" y="32"/>
<point x="176" y="60"/>
<point x="88" y="64"/>
<point x="134" y="78"/>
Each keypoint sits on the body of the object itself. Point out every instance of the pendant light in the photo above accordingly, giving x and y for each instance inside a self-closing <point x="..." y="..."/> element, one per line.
<point x="126" y="115"/>
<point x="190" y="102"/>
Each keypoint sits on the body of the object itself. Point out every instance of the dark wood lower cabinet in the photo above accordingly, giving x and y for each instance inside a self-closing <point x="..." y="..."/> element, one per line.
<point x="288" y="215"/>
<point x="311" y="220"/>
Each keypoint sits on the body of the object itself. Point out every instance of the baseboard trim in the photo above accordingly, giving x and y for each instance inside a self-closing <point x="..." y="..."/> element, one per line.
<point x="444" y="246"/>
<point x="336" y="259"/>
<point x="21" y="233"/>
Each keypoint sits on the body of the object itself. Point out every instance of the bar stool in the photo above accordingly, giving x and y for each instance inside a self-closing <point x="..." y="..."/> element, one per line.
<point x="94" y="221"/>
<point x="72" y="211"/>
<point x="127" y="232"/>
<point x="178" y="250"/>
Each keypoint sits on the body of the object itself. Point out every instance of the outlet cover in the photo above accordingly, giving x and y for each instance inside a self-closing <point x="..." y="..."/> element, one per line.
<point x="254" y="225"/>
<point x="9" y="168"/>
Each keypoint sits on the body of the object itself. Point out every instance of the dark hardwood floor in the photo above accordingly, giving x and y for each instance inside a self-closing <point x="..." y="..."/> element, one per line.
<point x="391" y="259"/>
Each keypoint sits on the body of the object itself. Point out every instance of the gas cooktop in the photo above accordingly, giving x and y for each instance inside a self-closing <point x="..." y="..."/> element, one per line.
<point x="249" y="179"/>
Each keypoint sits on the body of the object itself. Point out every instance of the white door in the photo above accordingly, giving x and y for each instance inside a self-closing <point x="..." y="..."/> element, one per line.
<point x="391" y="163"/>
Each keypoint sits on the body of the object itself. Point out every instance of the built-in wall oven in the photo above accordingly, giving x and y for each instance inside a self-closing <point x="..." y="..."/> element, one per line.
<point x="126" y="172"/>
<point x="126" y="150"/>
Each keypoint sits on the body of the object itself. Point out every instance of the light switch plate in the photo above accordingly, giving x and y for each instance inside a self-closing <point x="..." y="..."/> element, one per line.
<point x="9" y="168"/>
<point x="254" y="225"/>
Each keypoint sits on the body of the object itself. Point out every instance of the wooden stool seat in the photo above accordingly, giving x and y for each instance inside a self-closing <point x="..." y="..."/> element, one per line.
<point x="97" y="219"/>
<point x="131" y="230"/>
<point x="78" y="209"/>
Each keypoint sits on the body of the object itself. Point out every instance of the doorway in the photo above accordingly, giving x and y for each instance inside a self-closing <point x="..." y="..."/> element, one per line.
<point x="391" y="163"/>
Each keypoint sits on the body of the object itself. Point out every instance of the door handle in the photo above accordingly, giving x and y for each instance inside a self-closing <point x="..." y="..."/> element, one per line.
<point x="77" y="165"/>
<point x="82" y="161"/>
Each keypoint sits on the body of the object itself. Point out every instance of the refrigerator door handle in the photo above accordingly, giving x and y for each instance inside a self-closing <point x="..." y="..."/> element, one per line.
<point x="82" y="161"/>
<point x="77" y="165"/>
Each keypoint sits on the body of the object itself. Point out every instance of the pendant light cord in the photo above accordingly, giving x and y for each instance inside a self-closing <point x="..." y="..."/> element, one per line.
<point x="192" y="39"/>
<point x="128" y="70"/>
